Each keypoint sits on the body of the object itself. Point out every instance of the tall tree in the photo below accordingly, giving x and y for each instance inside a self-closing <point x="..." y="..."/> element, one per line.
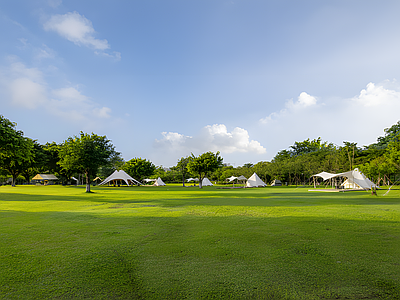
<point x="139" y="168"/>
<point x="16" y="151"/>
<point x="86" y="154"/>
<point x="182" y="167"/>
<point x="204" y="164"/>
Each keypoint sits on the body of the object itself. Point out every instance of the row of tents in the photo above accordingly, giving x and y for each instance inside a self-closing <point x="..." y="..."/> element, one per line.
<point x="353" y="180"/>
<point x="121" y="176"/>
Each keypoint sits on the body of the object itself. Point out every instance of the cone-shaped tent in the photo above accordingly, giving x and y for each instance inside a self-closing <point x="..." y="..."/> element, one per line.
<point x="120" y="175"/>
<point x="255" y="181"/>
<point x="206" y="182"/>
<point x="159" y="182"/>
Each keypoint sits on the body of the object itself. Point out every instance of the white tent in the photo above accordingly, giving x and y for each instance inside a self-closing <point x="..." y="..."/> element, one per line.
<point x="148" y="180"/>
<point x="206" y="182"/>
<point x="232" y="178"/>
<point x="355" y="179"/>
<point x="120" y="175"/>
<point x="192" y="179"/>
<point x="159" y="182"/>
<point x="241" y="177"/>
<point x="255" y="181"/>
<point x="276" y="182"/>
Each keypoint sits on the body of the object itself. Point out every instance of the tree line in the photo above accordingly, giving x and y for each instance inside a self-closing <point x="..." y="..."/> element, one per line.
<point x="91" y="156"/>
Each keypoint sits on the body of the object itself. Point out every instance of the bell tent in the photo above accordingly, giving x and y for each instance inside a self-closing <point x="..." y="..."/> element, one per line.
<point x="159" y="182"/>
<point x="255" y="181"/>
<point x="206" y="182"/>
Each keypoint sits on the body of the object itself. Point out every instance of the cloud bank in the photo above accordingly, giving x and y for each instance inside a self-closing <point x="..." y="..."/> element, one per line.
<point x="360" y="119"/>
<point x="210" y="138"/>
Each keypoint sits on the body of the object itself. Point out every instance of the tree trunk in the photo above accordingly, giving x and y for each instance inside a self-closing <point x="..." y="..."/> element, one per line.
<point x="200" y="182"/>
<point x="14" y="180"/>
<point x="87" y="183"/>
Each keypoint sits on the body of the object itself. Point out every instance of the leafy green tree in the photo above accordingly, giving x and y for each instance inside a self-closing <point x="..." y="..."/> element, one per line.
<point x="139" y="168"/>
<point x="36" y="165"/>
<point x="115" y="162"/>
<point x="393" y="152"/>
<point x="182" y="167"/>
<point x="391" y="134"/>
<point x="203" y="164"/>
<point x="16" y="151"/>
<point x="85" y="154"/>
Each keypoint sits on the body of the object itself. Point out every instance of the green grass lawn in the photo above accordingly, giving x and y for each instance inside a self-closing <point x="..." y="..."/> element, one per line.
<point x="186" y="243"/>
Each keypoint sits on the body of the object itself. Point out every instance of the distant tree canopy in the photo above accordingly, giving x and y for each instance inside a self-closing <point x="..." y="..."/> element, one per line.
<point x="93" y="155"/>
<point x="139" y="168"/>
<point x="16" y="151"/>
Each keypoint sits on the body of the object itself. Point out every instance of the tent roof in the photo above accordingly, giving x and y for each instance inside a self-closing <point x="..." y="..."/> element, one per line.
<point x="120" y="175"/>
<point x="241" y="177"/>
<point x="191" y="179"/>
<point x="206" y="182"/>
<point x="254" y="181"/>
<point x="159" y="182"/>
<point x="148" y="180"/>
<point x="354" y="176"/>
<point x="45" y="177"/>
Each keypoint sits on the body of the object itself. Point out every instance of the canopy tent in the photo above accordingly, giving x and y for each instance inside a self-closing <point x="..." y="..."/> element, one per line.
<point x="255" y="181"/>
<point x="159" y="182"/>
<point x="276" y="182"/>
<point x="149" y="180"/>
<point x="120" y="175"/>
<point x="45" y="178"/>
<point x="206" y="182"/>
<point x="355" y="179"/>
<point x="232" y="178"/>
<point x="192" y="179"/>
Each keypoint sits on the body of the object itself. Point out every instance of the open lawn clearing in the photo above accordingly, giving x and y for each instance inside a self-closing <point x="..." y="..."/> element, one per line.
<point x="175" y="242"/>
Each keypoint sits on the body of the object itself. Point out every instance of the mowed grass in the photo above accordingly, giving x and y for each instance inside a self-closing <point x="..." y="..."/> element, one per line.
<point x="185" y="243"/>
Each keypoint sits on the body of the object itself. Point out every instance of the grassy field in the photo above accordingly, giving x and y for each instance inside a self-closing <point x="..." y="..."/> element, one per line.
<point x="186" y="243"/>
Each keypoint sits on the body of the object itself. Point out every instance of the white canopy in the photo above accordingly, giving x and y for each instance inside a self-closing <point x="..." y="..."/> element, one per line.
<point x="148" y="180"/>
<point x="159" y="182"/>
<point x="120" y="175"/>
<point x="232" y="178"/>
<point x="191" y="179"/>
<point x="206" y="182"/>
<point x="355" y="179"/>
<point x="255" y="181"/>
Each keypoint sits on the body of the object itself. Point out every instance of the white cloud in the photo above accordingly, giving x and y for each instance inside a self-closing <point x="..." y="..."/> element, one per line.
<point x="77" y="29"/>
<point x="375" y="96"/>
<point x="28" y="89"/>
<point x="115" y="55"/>
<point x="210" y="138"/>
<point x="304" y="102"/>
<point x="360" y="119"/>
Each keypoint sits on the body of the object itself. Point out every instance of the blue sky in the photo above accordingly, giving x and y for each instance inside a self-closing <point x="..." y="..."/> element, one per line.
<point x="163" y="79"/>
